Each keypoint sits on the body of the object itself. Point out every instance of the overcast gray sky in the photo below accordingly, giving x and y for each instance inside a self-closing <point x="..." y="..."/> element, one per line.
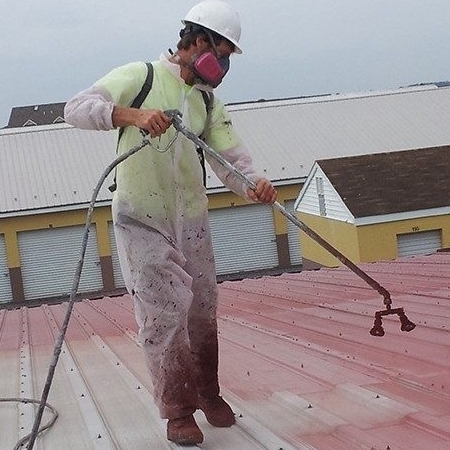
<point x="52" y="49"/>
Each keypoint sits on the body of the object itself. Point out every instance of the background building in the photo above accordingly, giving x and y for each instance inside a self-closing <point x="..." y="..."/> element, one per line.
<point x="48" y="175"/>
<point x="28" y="116"/>
<point x="48" y="172"/>
<point x="377" y="207"/>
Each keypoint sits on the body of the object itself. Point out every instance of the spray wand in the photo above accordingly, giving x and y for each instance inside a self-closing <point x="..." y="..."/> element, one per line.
<point x="377" y="329"/>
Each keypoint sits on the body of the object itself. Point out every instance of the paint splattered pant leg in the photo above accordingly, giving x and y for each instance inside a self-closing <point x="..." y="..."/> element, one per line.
<point x="175" y="306"/>
<point x="197" y="247"/>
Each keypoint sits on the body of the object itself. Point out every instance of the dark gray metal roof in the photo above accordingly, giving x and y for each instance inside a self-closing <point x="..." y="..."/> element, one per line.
<point x="46" y="114"/>
<point x="389" y="183"/>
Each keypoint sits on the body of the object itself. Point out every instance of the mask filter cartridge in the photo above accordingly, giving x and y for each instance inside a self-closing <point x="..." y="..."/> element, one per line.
<point x="211" y="69"/>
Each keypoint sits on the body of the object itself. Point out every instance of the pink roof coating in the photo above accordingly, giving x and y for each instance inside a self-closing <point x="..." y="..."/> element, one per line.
<point x="297" y="364"/>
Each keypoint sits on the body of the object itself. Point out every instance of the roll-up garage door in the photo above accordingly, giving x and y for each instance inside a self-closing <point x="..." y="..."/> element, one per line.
<point x="118" y="278"/>
<point x="295" y="250"/>
<point x="243" y="238"/>
<point x="49" y="260"/>
<point x="5" y="284"/>
<point x="420" y="243"/>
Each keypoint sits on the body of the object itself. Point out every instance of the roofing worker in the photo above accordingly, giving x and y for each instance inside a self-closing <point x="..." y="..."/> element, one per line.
<point x="160" y="209"/>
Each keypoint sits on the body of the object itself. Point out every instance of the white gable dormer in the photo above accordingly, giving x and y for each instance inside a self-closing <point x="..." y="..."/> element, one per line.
<point x="318" y="197"/>
<point x="29" y="123"/>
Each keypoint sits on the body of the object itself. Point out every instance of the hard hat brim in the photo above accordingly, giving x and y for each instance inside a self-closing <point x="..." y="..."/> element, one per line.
<point x="237" y="47"/>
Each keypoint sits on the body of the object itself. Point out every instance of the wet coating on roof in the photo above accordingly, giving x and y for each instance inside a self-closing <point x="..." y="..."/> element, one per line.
<point x="297" y="363"/>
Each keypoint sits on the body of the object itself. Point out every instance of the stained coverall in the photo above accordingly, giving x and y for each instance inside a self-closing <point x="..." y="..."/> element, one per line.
<point x="161" y="226"/>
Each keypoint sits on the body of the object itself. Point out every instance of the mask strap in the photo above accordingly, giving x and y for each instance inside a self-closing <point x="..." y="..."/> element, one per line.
<point x="213" y="44"/>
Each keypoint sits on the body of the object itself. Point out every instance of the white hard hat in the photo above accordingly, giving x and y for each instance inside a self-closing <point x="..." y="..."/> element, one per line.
<point x="219" y="17"/>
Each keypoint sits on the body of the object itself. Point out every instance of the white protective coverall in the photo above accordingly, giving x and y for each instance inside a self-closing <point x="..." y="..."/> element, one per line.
<point x="162" y="230"/>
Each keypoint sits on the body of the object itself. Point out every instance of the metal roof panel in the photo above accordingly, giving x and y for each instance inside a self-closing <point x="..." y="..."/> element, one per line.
<point x="52" y="166"/>
<point x="58" y="166"/>
<point x="297" y="364"/>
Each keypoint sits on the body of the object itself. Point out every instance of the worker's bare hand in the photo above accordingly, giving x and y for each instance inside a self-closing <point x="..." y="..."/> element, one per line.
<point x="154" y="121"/>
<point x="264" y="192"/>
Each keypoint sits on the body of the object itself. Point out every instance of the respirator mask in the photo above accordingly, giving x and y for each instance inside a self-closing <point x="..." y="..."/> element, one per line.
<point x="210" y="68"/>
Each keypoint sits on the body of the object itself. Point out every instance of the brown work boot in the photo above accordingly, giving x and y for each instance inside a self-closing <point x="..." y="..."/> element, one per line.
<point x="184" y="431"/>
<point x="217" y="411"/>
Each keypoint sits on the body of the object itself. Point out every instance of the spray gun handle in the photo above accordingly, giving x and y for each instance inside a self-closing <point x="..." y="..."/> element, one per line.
<point x="173" y="114"/>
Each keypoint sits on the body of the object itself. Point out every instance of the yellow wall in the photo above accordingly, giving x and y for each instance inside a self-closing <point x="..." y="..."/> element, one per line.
<point x="365" y="243"/>
<point x="340" y="235"/>
<point x="379" y="241"/>
<point x="10" y="227"/>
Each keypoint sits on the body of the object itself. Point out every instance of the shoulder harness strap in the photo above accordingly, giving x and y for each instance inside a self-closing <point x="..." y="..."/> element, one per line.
<point x="146" y="87"/>
<point x="137" y="103"/>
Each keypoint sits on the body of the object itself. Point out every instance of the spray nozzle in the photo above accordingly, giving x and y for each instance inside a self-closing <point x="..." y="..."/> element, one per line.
<point x="406" y="324"/>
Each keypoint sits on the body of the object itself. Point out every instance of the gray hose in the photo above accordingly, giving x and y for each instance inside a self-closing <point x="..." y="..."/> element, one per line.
<point x="76" y="281"/>
<point x="41" y="428"/>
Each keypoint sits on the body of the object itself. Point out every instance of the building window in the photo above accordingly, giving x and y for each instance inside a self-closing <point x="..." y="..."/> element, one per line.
<point x="321" y="196"/>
